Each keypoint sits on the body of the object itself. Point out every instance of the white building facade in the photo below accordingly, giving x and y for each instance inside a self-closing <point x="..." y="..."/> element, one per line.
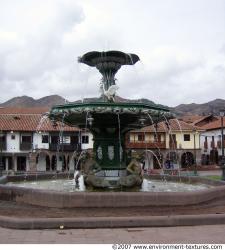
<point x="23" y="148"/>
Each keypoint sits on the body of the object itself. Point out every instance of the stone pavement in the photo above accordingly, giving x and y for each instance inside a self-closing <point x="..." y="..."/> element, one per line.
<point x="210" y="172"/>
<point x="196" y="234"/>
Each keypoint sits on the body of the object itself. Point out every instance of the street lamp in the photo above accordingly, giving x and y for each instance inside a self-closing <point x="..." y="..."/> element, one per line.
<point x="1" y="160"/>
<point x="222" y="163"/>
<point x="195" y="163"/>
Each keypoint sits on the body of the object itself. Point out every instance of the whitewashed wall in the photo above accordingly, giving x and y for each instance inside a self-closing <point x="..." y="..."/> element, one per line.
<point x="37" y="141"/>
<point x="88" y="145"/>
<point x="41" y="166"/>
<point x="13" y="146"/>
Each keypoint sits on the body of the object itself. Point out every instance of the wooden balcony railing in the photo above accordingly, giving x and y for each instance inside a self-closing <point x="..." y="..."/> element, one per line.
<point x="212" y="144"/>
<point x="143" y="145"/>
<point x="3" y="145"/>
<point x="64" y="147"/>
<point x="173" y="144"/>
<point x="25" y="146"/>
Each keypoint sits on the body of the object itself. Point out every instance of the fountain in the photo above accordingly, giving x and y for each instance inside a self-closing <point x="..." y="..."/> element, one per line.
<point x="109" y="121"/>
<point x="109" y="167"/>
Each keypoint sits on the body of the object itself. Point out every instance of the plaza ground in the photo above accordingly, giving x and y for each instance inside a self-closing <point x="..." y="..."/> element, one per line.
<point x="196" y="234"/>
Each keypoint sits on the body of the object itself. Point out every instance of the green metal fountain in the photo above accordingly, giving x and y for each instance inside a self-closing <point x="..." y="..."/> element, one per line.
<point x="109" y="121"/>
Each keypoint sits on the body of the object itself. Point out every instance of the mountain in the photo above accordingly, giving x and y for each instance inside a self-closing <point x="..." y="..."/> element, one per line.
<point x="212" y="107"/>
<point x="26" y="101"/>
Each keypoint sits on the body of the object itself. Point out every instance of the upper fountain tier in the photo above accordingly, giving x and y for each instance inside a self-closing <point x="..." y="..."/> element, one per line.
<point x="102" y="114"/>
<point x="108" y="63"/>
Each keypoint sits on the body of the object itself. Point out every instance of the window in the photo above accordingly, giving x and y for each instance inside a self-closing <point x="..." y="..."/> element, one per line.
<point x="85" y="139"/>
<point x="44" y="138"/>
<point x="131" y="138"/>
<point x="54" y="139"/>
<point x="2" y="138"/>
<point x="13" y="137"/>
<point x="141" y="137"/>
<point x="26" y="139"/>
<point x="187" y="137"/>
<point x="157" y="137"/>
<point x="65" y="140"/>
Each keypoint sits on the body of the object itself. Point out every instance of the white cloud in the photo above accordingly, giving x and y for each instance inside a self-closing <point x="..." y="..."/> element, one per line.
<point x="180" y="43"/>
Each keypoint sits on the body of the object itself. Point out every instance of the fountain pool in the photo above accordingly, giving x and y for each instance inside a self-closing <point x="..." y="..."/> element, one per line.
<point x="148" y="185"/>
<point x="49" y="190"/>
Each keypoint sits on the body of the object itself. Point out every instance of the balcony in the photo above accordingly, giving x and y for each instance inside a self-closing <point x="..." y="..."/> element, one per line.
<point x="25" y="146"/>
<point x="2" y="142"/>
<point x="144" y="145"/>
<point x="173" y="144"/>
<point x="64" y="147"/>
<point x="2" y="145"/>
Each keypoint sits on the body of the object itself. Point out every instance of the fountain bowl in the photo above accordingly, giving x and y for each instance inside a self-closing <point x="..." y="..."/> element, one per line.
<point x="60" y="199"/>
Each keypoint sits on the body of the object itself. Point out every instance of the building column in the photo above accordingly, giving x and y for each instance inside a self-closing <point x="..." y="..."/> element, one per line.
<point x="32" y="162"/>
<point x="7" y="164"/>
<point x="59" y="163"/>
<point x="27" y="164"/>
<point x="50" y="162"/>
<point x="14" y="163"/>
<point x="198" y="156"/>
<point x="71" y="163"/>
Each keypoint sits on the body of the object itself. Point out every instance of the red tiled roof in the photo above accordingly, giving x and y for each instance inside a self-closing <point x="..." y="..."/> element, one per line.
<point x="214" y="125"/>
<point x="174" y="125"/>
<point x="196" y="119"/>
<point x="29" y="122"/>
<point x="13" y="110"/>
<point x="192" y="118"/>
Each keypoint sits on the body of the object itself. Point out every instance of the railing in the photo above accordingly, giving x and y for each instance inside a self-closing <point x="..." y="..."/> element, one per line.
<point x="2" y="145"/>
<point x="25" y="146"/>
<point x="143" y="145"/>
<point x="212" y="144"/>
<point x="63" y="147"/>
<point x="173" y="144"/>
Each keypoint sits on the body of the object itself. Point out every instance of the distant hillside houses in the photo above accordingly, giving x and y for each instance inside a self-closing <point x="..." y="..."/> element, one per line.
<point x="31" y="143"/>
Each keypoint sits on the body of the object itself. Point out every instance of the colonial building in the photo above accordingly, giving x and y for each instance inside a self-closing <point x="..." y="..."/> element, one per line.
<point x="211" y="142"/>
<point x="210" y="139"/>
<point x="30" y="142"/>
<point x="173" y="144"/>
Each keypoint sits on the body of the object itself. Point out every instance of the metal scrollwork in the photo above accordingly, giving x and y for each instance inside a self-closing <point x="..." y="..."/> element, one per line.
<point x="111" y="152"/>
<point x="99" y="152"/>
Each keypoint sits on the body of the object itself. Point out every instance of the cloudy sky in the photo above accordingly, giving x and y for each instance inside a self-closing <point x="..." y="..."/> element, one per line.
<point x="181" y="44"/>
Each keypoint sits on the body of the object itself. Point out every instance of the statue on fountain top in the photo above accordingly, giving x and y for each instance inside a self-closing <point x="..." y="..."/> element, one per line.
<point x="110" y="93"/>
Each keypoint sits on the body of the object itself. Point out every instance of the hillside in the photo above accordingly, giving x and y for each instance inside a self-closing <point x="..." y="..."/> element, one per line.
<point x="26" y="101"/>
<point x="212" y="107"/>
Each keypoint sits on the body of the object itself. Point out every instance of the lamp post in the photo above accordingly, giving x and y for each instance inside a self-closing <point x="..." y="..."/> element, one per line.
<point x="195" y="163"/>
<point x="222" y="163"/>
<point x="1" y="160"/>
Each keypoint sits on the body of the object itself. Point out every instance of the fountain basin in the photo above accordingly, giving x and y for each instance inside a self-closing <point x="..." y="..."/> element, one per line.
<point x="62" y="199"/>
<point x="105" y="115"/>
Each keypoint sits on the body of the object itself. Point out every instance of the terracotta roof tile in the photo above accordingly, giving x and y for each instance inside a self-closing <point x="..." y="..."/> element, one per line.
<point x="196" y="119"/>
<point x="214" y="125"/>
<point x="174" y="125"/>
<point x="192" y="118"/>
<point x="13" y="110"/>
<point x="30" y="122"/>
